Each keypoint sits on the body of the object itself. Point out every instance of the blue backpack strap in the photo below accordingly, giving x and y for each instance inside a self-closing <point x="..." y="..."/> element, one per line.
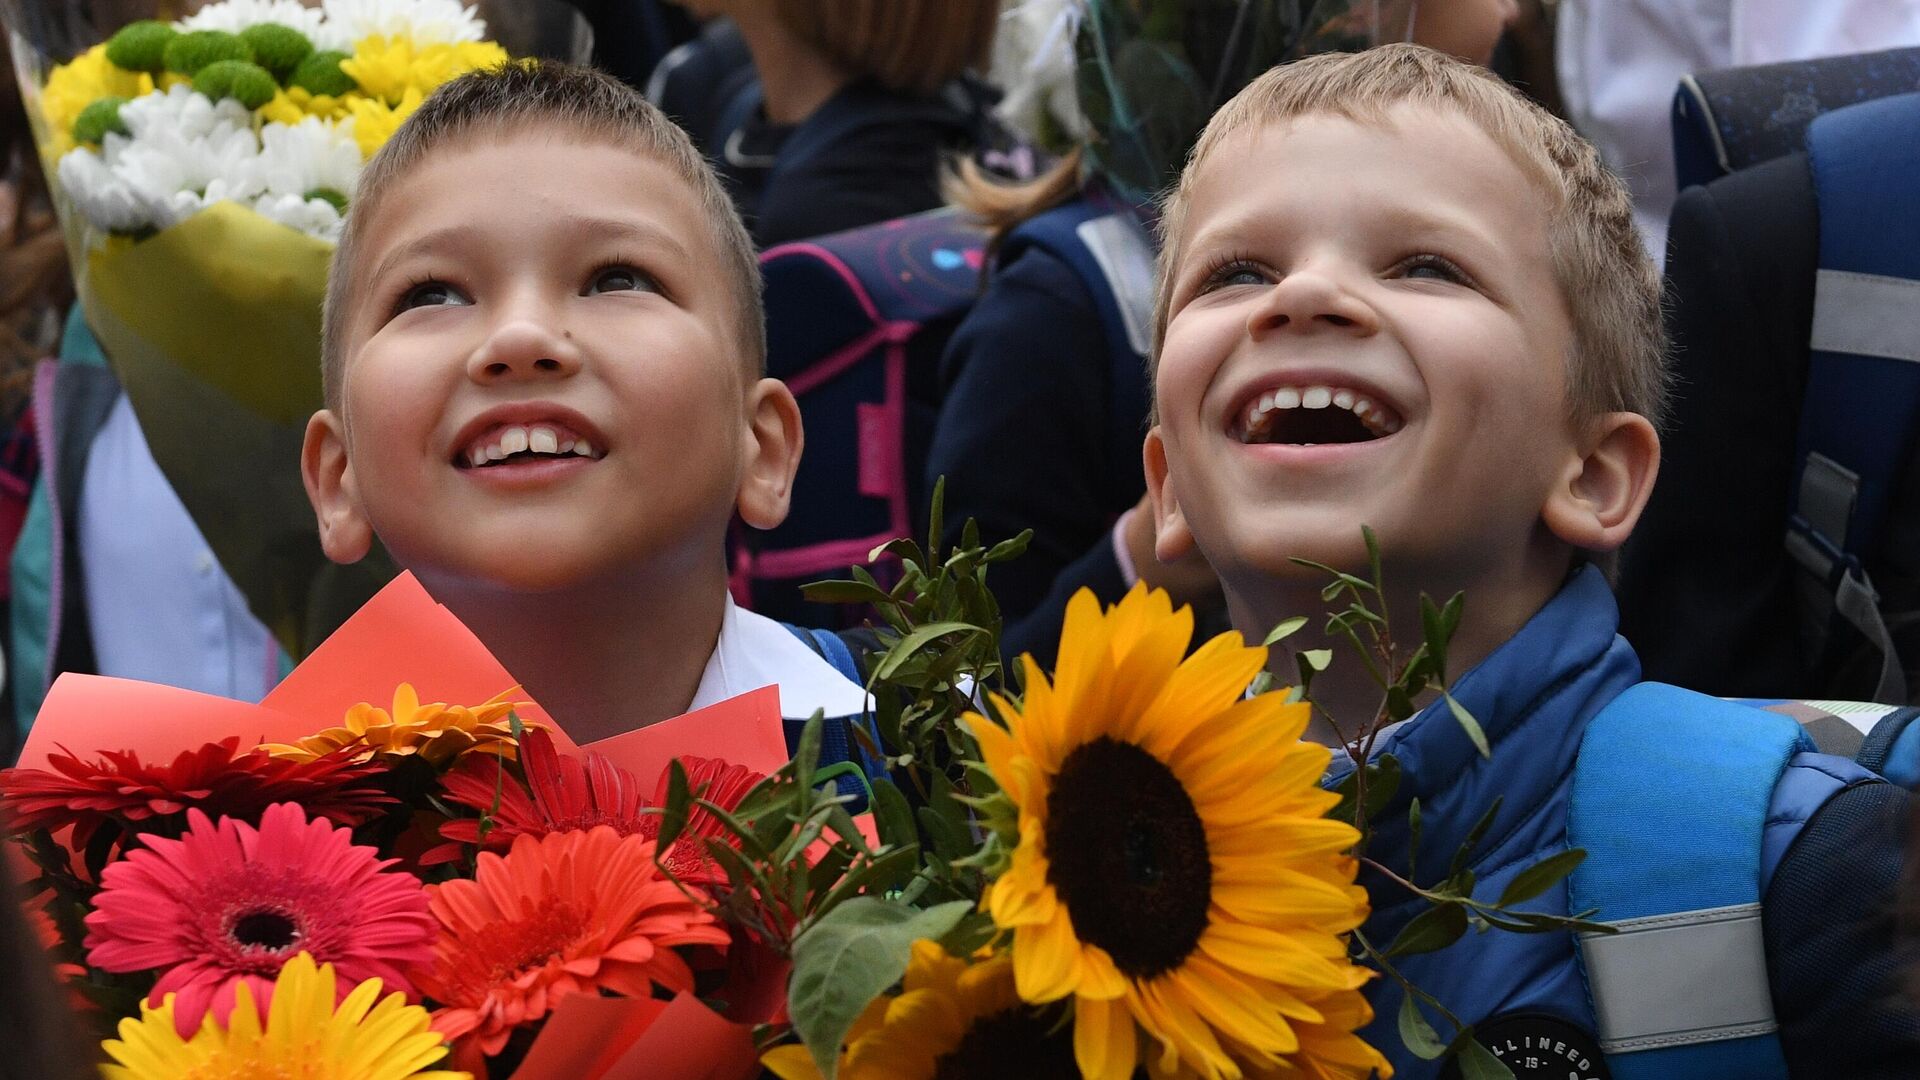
<point x="837" y="742"/>
<point x="1862" y="400"/>
<point x="1670" y="800"/>
<point x="1112" y="254"/>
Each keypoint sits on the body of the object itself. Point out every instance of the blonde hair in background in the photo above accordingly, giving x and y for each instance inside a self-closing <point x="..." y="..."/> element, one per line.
<point x="558" y="100"/>
<point x="912" y="46"/>
<point x="1611" y="288"/>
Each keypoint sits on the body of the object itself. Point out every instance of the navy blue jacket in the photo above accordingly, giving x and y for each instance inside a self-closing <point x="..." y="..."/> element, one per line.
<point x="1835" y="841"/>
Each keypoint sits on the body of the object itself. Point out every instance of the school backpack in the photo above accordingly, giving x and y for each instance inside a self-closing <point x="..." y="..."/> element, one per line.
<point x="1830" y="595"/>
<point x="856" y="324"/>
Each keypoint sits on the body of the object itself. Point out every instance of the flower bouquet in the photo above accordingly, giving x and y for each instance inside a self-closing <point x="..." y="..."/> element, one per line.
<point x="200" y="167"/>
<point x="393" y="889"/>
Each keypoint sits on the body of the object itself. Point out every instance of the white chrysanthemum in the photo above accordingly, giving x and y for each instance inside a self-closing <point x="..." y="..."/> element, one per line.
<point x="234" y="16"/>
<point x="183" y="153"/>
<point x="315" y="217"/>
<point x="182" y="113"/>
<point x="1033" y="59"/>
<point x="100" y="194"/>
<point x="300" y="159"/>
<point x="425" y="22"/>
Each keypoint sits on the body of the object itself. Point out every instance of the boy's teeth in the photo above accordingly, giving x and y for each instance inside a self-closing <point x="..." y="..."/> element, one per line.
<point x="478" y="457"/>
<point x="543" y="441"/>
<point x="1316" y="397"/>
<point x="514" y="440"/>
<point x="538" y="439"/>
<point x="583" y="448"/>
<point x="1286" y="398"/>
<point x="1343" y="398"/>
<point x="1254" y="423"/>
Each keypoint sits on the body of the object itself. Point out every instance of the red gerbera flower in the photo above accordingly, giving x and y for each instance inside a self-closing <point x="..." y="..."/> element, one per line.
<point x="229" y="903"/>
<point x="567" y="913"/>
<point x="565" y="794"/>
<point x="217" y="778"/>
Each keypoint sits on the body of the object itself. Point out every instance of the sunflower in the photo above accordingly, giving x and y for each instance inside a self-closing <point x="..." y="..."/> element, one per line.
<point x="228" y="906"/>
<point x="1174" y="871"/>
<point x="437" y="732"/>
<point x="306" y="1036"/>
<point x="953" y="1019"/>
<point x="568" y="913"/>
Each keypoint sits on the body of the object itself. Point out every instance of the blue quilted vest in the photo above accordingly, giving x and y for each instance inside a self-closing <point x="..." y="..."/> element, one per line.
<point x="1685" y="803"/>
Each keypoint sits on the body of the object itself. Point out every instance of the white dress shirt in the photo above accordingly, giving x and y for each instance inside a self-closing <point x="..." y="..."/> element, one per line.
<point x="754" y="651"/>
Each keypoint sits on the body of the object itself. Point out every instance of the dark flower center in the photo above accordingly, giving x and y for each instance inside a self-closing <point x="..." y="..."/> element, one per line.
<point x="1127" y="853"/>
<point x="269" y="930"/>
<point x="1018" y="1044"/>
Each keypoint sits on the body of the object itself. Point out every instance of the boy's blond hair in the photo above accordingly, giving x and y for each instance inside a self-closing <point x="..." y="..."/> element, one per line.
<point x="542" y="97"/>
<point x="912" y="46"/>
<point x="1612" y="292"/>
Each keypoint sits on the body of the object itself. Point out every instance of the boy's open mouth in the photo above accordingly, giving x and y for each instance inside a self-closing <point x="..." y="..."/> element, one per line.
<point x="505" y="444"/>
<point x="1314" y="416"/>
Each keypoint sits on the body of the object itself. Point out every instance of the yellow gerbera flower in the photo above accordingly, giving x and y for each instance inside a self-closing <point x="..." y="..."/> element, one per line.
<point x="391" y="68"/>
<point x="437" y="732"/>
<point x="73" y="86"/>
<point x="952" y="1018"/>
<point x="305" y="1037"/>
<point x="1175" y="873"/>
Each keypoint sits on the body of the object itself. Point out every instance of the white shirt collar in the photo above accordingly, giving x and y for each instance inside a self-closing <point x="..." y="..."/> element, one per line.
<point x="754" y="651"/>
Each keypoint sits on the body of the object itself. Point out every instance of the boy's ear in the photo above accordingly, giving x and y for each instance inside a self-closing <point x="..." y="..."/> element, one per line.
<point x="1172" y="539"/>
<point x="1601" y="494"/>
<point x="345" y="533"/>
<point x="774" y="441"/>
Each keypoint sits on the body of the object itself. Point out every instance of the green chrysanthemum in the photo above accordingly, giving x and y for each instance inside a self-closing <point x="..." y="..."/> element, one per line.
<point x="320" y="74"/>
<point x="141" y="46"/>
<point x="249" y="84"/>
<point x="188" y="53"/>
<point x="279" y="49"/>
<point x="99" y="118"/>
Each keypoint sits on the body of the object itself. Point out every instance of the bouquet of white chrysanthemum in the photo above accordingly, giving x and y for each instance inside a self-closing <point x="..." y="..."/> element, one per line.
<point x="201" y="167"/>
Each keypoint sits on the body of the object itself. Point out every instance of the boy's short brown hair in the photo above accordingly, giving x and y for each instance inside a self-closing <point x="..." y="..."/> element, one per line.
<point x="563" y="99"/>
<point x="1612" y="291"/>
<point x="912" y="46"/>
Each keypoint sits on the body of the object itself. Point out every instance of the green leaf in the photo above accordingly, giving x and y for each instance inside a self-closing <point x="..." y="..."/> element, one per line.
<point x="1436" y="636"/>
<point x="1009" y="549"/>
<point x="1413" y="837"/>
<point x="1373" y="556"/>
<point x="1465" y="854"/>
<point x="844" y="592"/>
<point x="1416" y="1034"/>
<point x="1317" y="659"/>
<point x="1541" y="876"/>
<point x="1383" y="782"/>
<point x="673" y="817"/>
<point x="1285" y="630"/>
<point x="851" y="956"/>
<point x="1430" y="931"/>
<point x="1478" y="1063"/>
<point x="1469" y="725"/>
<point x="892" y="815"/>
<point x="906" y="647"/>
<point x="937" y="519"/>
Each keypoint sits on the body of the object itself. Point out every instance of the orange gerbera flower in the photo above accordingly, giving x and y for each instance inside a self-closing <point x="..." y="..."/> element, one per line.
<point x="566" y="913"/>
<point x="435" y="731"/>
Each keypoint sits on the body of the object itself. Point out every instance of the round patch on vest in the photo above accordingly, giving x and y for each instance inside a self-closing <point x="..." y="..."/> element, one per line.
<point x="1540" y="1047"/>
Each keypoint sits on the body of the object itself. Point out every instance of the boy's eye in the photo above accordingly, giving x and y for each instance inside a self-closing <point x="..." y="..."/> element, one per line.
<point x="621" y="279"/>
<point x="1236" y="272"/>
<point x="432" y="294"/>
<point x="1434" y="268"/>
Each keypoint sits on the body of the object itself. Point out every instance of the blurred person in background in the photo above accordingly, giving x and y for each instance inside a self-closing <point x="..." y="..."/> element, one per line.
<point x="1620" y="62"/>
<point x="845" y="112"/>
<point x="1041" y="425"/>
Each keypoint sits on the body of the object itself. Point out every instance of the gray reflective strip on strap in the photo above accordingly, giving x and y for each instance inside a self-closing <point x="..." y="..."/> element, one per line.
<point x="1126" y="258"/>
<point x="1680" y="979"/>
<point x="1828" y="491"/>
<point x="1866" y="314"/>
<point x="1859" y="604"/>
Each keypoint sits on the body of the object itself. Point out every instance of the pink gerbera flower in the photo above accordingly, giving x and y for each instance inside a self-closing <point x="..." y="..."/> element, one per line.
<point x="228" y="904"/>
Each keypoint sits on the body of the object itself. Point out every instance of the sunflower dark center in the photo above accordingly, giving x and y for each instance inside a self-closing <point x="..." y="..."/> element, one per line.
<point x="1127" y="852"/>
<point x="1018" y="1044"/>
<point x="269" y="930"/>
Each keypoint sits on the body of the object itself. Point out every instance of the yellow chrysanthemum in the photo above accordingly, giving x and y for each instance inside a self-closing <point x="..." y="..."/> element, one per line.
<point x="437" y="732"/>
<point x="952" y="1018"/>
<point x="374" y="121"/>
<point x="1175" y="873"/>
<point x="73" y="86"/>
<point x="391" y="68"/>
<point x="294" y="104"/>
<point x="305" y="1037"/>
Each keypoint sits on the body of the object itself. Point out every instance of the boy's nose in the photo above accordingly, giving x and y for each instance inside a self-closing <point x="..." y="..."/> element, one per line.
<point x="523" y="347"/>
<point x="1310" y="300"/>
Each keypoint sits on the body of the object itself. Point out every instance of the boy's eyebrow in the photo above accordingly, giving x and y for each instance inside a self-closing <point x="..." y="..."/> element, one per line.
<point x="583" y="226"/>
